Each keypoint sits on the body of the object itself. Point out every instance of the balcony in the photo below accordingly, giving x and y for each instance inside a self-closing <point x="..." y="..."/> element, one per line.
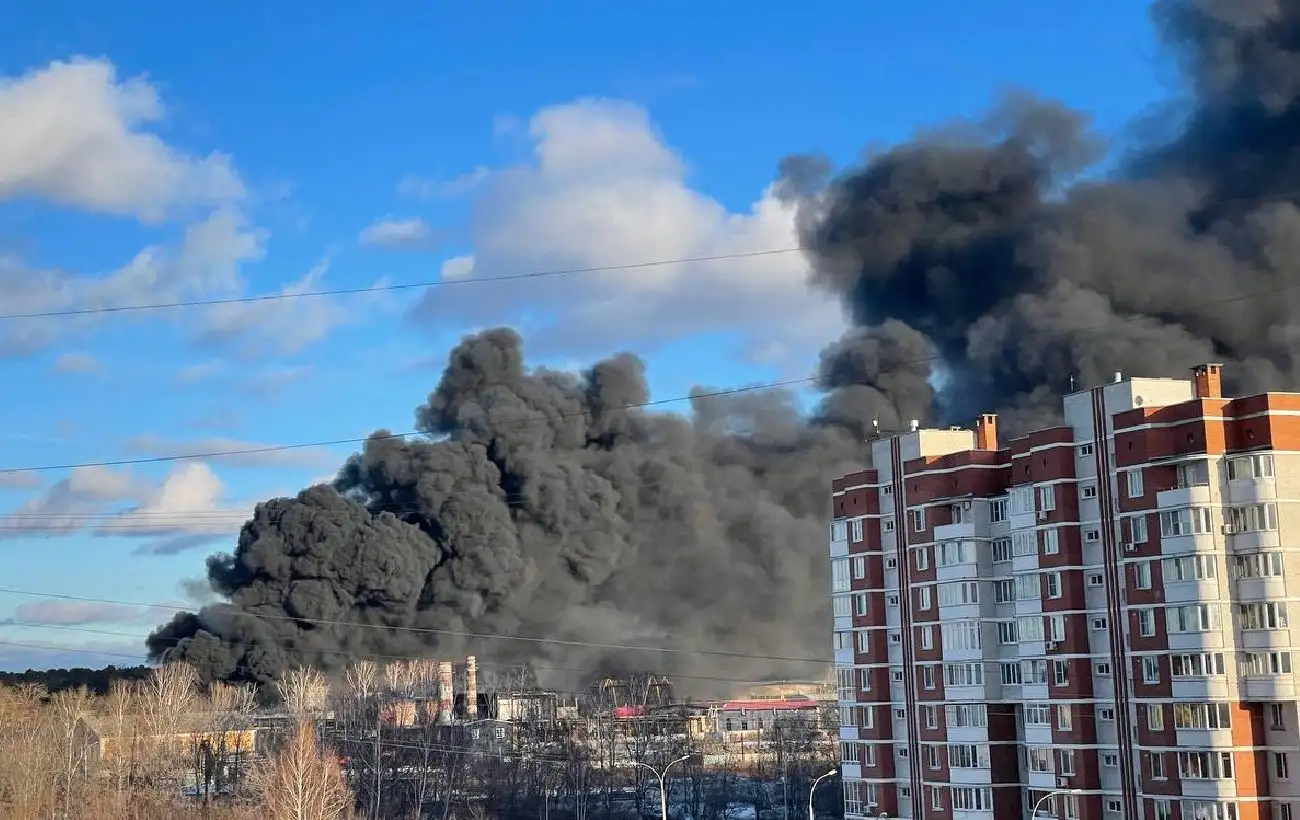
<point x="1267" y="687"/>
<point x="848" y="733"/>
<point x="1211" y="789"/>
<point x="1254" y="541"/>
<point x="1194" y="495"/>
<point x="1038" y="734"/>
<point x="945" y="532"/>
<point x="970" y="777"/>
<point x="1043" y="781"/>
<point x="1198" y="689"/>
<point x="1260" y="589"/>
<point x="1246" y="490"/>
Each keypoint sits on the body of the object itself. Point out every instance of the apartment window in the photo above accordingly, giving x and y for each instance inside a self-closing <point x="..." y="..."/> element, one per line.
<point x="1011" y="674"/>
<point x="844" y="683"/>
<point x="1146" y="622"/>
<point x="1158" y="766"/>
<point x="1197" y="665"/>
<point x="864" y="640"/>
<point x="1099" y="623"/>
<point x="1134" y="479"/>
<point x="1109" y="760"/>
<point x="1056" y="627"/>
<point x="1150" y="669"/>
<point x="1060" y="673"/>
<point x="1004" y="592"/>
<point x="998" y="510"/>
<point x="1039" y="758"/>
<point x="958" y="594"/>
<point x="839" y="531"/>
<point x="1155" y="717"/>
<point x="1142" y="575"/>
<point x="1101" y="669"/>
<point x="1001" y="550"/>
<point x="963" y="674"/>
<point x="1047" y="498"/>
<point x="843" y="639"/>
<point x="1034" y="671"/>
<point x="888" y="489"/>
<point x="927" y="677"/>
<point x="1064" y="718"/>
<point x="1192" y="474"/>
<point x="1030" y="628"/>
<point x="1164" y="809"/>
<point x="1096" y="579"/>
<point x="1281" y="770"/>
<point x="860" y="604"/>
<point x="936" y="797"/>
<point x="896" y="675"/>
<point x="1106" y="713"/>
<point x="1091" y="536"/>
<point x="1051" y="542"/>
<point x="1253" y="518"/>
<point x="962" y="635"/>
<point x="1138" y="529"/>
<point x="927" y="637"/>
<point x="1022" y="500"/>
<point x="887" y="524"/>
<point x="1028" y="587"/>
<point x="1256" y="466"/>
<point x="1006" y="632"/>
<point x="1205" y="765"/>
<point x="1023" y="543"/>
<point x="1277" y="716"/>
<point x="892" y="599"/>
<point x="973" y="715"/>
<point x="932" y="759"/>
<point x="1038" y="714"/>
<point x="1270" y="615"/>
<point x="1192" y="618"/>
<point x="954" y="553"/>
<point x="840" y="575"/>
<point x="1188" y="568"/>
<point x="1089" y="491"/>
<point x="1085" y="450"/>
<point x="921" y="558"/>
<point x="931" y="715"/>
<point x="842" y="606"/>
<point x="1266" y="663"/>
<point x="852" y="797"/>
<point x="923" y="598"/>
<point x="864" y="680"/>
<point x="1187" y="521"/>
<point x="855" y="530"/>
<point x="1065" y="761"/>
<point x="1053" y="585"/>
<point x="900" y="714"/>
<point x="869" y="756"/>
<point x="1257" y="565"/>
<point x="1202" y="716"/>
<point x="973" y="798"/>
<point x="859" y="567"/>
<point x="968" y="756"/>
<point x="891" y="563"/>
<point x="895" y="638"/>
<point x="918" y="519"/>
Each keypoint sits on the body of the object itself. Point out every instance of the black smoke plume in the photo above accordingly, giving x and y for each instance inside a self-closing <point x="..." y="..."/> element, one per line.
<point x="986" y="267"/>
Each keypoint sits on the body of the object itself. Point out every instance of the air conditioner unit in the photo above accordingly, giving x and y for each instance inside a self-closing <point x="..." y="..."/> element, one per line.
<point x="1042" y="515"/>
<point x="1049" y="645"/>
<point x="873" y="805"/>
<point x="1129" y="546"/>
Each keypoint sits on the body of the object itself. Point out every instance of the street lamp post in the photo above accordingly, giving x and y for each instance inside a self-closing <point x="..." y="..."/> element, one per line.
<point x="813" y="791"/>
<point x="1054" y="792"/>
<point x="663" y="788"/>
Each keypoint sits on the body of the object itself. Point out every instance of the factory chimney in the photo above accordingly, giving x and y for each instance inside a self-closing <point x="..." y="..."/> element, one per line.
<point x="446" y="697"/>
<point x="471" y="688"/>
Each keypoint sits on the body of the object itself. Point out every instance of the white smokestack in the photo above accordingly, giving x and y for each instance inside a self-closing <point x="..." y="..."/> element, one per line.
<point x="471" y="687"/>
<point x="446" y="694"/>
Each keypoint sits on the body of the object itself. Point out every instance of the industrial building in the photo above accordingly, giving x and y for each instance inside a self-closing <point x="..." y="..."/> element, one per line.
<point x="1092" y="619"/>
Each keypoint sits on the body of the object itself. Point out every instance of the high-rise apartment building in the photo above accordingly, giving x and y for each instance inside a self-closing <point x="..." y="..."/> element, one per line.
<point x="1095" y="616"/>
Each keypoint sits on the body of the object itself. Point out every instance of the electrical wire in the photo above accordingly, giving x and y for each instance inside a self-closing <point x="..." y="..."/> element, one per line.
<point x="550" y="418"/>
<point x="434" y="283"/>
<point x="717" y="653"/>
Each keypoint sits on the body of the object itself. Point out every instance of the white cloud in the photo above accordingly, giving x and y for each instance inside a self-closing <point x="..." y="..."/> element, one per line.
<point x="281" y="326"/>
<point x="20" y="480"/>
<point x="72" y="363"/>
<point x="72" y="134"/>
<point x="399" y="234"/>
<point x="74" y="613"/>
<point x="423" y="188"/>
<point x="207" y="261"/>
<point x="233" y="452"/>
<point x="604" y="189"/>
<point x="189" y="502"/>
<point x="458" y="267"/>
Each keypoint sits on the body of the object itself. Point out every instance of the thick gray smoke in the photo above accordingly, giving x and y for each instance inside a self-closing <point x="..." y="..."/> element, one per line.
<point x="989" y="260"/>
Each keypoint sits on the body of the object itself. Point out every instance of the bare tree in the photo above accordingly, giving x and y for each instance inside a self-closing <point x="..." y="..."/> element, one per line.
<point x="304" y="692"/>
<point x="301" y="783"/>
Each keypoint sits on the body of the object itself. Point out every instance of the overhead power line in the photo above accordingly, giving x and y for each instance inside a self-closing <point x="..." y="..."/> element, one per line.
<point x="433" y="283"/>
<point x="451" y="633"/>
<point x="544" y="418"/>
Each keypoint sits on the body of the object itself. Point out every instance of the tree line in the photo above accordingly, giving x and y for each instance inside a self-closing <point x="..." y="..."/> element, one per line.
<point x="164" y="746"/>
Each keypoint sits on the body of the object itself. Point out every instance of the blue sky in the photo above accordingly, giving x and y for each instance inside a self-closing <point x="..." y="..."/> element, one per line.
<point x="153" y="154"/>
